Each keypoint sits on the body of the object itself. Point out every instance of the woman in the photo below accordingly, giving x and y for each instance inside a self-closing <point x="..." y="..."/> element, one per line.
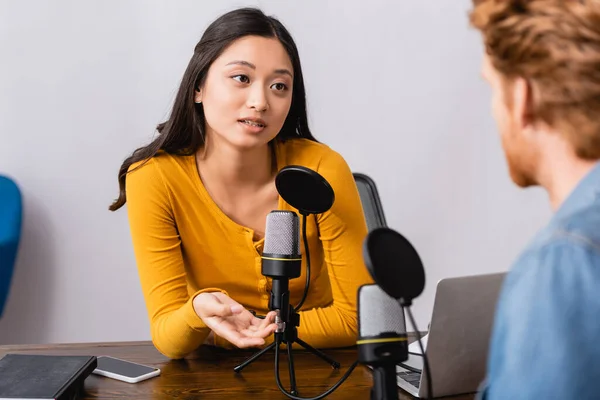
<point x="199" y="194"/>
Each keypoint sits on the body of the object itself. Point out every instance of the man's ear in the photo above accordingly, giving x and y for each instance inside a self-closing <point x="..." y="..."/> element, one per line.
<point x="521" y="94"/>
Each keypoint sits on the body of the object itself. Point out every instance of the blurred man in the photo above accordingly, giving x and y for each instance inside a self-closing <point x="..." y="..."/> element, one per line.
<point x="542" y="62"/>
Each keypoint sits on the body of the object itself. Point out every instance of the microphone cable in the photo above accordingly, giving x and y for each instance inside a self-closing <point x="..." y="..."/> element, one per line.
<point x="296" y="309"/>
<point x="321" y="396"/>
<point x="406" y="305"/>
<point x="307" y="254"/>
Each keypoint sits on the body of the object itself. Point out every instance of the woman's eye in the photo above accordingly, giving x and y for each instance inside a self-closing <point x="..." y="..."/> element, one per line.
<point x="279" y="86"/>
<point x="241" y="78"/>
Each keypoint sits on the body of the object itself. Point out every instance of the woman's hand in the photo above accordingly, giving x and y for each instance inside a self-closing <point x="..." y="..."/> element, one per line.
<point x="230" y="320"/>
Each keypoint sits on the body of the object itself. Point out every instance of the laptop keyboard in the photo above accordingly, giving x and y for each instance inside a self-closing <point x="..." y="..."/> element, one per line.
<point x="414" y="378"/>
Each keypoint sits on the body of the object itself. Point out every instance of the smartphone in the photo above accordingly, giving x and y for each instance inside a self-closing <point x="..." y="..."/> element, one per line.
<point x="125" y="371"/>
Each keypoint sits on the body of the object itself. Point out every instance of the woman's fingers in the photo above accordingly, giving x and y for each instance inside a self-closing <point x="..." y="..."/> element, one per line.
<point x="242" y="339"/>
<point x="256" y="331"/>
<point x="270" y="317"/>
<point x="240" y="332"/>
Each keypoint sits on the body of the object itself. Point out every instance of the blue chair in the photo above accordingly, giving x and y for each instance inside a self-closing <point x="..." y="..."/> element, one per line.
<point x="11" y="215"/>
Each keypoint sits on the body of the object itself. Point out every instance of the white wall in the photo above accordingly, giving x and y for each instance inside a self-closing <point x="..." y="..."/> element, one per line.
<point x="394" y="86"/>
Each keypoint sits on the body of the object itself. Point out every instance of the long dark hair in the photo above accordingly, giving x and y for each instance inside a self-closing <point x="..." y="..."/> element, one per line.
<point x="183" y="132"/>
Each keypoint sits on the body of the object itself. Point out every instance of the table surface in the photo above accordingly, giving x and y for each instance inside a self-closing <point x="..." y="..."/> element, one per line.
<point x="208" y="373"/>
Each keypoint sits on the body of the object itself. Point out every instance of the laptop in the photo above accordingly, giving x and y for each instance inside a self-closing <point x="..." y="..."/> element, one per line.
<point x="458" y="339"/>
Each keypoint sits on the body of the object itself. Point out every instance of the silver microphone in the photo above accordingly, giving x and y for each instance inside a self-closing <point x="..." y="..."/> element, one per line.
<point x="382" y="341"/>
<point x="379" y="314"/>
<point x="282" y="234"/>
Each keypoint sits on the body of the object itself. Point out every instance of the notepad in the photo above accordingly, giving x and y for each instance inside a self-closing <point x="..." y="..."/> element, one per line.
<point x="43" y="377"/>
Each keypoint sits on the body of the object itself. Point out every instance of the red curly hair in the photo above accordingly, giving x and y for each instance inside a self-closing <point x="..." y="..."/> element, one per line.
<point x="555" y="46"/>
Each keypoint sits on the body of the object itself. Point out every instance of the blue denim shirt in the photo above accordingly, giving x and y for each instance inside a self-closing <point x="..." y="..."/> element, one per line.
<point x="546" y="336"/>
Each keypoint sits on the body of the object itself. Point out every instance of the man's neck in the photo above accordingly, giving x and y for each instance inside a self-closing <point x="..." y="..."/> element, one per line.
<point x="563" y="171"/>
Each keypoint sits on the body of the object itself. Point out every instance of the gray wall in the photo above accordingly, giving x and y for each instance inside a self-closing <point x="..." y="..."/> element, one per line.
<point x="394" y="86"/>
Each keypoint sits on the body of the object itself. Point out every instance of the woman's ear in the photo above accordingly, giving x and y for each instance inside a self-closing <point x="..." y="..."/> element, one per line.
<point x="198" y="96"/>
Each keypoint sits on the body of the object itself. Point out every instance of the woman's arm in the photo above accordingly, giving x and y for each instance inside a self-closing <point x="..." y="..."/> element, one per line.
<point x="176" y="329"/>
<point x="342" y="231"/>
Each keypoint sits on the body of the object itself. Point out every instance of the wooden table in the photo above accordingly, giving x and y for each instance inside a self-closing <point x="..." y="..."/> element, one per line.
<point x="208" y="374"/>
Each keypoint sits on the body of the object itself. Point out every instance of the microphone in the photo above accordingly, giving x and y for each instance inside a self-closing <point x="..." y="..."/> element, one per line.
<point x="309" y="193"/>
<point x="281" y="259"/>
<point x="397" y="269"/>
<point x="382" y="341"/>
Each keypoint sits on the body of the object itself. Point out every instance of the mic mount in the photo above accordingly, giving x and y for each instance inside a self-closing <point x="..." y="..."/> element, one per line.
<point x="281" y="268"/>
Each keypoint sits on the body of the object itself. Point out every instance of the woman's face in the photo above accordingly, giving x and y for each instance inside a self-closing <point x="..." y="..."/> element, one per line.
<point x="247" y="93"/>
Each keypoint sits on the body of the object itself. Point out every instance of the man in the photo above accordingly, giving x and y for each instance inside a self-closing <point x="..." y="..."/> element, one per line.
<point x="543" y="64"/>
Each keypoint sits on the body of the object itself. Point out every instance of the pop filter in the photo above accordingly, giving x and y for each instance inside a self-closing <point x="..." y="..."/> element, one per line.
<point x="304" y="189"/>
<point x="394" y="264"/>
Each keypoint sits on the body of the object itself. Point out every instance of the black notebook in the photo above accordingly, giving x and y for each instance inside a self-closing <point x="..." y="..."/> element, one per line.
<point x="40" y="377"/>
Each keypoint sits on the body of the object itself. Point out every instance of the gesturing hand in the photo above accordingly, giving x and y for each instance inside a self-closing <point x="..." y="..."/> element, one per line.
<point x="230" y="320"/>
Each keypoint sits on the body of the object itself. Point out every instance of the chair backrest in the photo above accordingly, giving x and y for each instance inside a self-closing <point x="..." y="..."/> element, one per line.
<point x="370" y="201"/>
<point x="11" y="210"/>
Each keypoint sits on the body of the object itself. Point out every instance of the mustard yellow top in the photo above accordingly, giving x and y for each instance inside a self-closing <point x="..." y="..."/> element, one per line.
<point x="184" y="245"/>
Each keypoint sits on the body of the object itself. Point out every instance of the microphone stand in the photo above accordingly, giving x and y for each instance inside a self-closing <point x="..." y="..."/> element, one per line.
<point x="385" y="386"/>
<point x="287" y="318"/>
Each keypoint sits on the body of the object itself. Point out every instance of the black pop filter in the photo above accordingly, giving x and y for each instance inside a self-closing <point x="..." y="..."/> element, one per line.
<point x="394" y="264"/>
<point x="304" y="189"/>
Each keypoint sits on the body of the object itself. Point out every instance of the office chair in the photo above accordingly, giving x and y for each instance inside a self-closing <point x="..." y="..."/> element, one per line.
<point x="370" y="201"/>
<point x="11" y="209"/>
<point x="369" y="197"/>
